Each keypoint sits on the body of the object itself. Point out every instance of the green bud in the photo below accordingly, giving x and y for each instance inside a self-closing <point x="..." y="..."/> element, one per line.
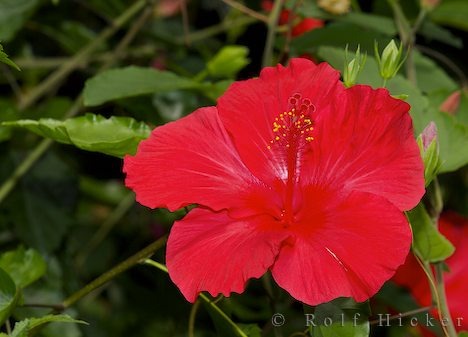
<point x="353" y="68"/>
<point x="429" y="148"/>
<point x="228" y="61"/>
<point x="403" y="97"/>
<point x="390" y="61"/>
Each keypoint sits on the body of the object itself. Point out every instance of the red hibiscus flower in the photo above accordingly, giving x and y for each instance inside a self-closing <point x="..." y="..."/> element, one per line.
<point x="291" y="173"/>
<point x="411" y="276"/>
<point x="286" y="15"/>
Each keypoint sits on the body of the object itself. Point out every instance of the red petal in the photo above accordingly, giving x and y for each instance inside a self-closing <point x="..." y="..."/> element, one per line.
<point x="366" y="143"/>
<point x="209" y="251"/>
<point x="188" y="161"/>
<point x="347" y="245"/>
<point x="249" y="108"/>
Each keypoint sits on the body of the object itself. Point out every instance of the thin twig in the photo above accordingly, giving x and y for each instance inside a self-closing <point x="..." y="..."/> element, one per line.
<point x="44" y="145"/>
<point x="140" y="256"/>
<point x="129" y="37"/>
<point x="185" y="22"/>
<point x="81" y="57"/>
<point x="55" y="307"/>
<point x="271" y="34"/>
<point x="406" y="314"/>
<point x="215" y="30"/>
<point x="289" y="25"/>
<point x="246" y="10"/>
<point x="24" y="167"/>
<point x="54" y="62"/>
<point x="11" y="80"/>
<point x="446" y="61"/>
<point x="106" y="227"/>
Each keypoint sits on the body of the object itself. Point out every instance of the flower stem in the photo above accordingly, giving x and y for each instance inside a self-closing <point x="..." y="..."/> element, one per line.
<point x="143" y="254"/>
<point x="192" y="317"/>
<point x="271" y="34"/>
<point x="205" y="298"/>
<point x="439" y="295"/>
<point x="443" y="305"/>
<point x="408" y="36"/>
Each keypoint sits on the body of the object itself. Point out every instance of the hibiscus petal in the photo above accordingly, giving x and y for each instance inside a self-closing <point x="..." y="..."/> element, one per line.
<point x="365" y="142"/>
<point x="212" y="252"/>
<point x="189" y="161"/>
<point x="248" y="110"/>
<point x="346" y="246"/>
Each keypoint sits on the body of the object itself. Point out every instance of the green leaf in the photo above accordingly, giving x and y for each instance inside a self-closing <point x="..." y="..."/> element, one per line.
<point x="377" y="23"/>
<point x="131" y="81"/>
<point x="338" y="34"/>
<point x="453" y="140"/>
<point x="21" y="329"/>
<point x="41" y="208"/>
<point x="13" y="13"/>
<point x="24" y="266"/>
<point x="434" y="32"/>
<point x="228" y="61"/>
<point x="116" y="136"/>
<point x="342" y="317"/>
<point x="8" y="295"/>
<point x="452" y="13"/>
<point x="428" y="243"/>
<point x="251" y="330"/>
<point x="36" y="322"/>
<point x="24" y="327"/>
<point x="4" y="58"/>
<point x="463" y="334"/>
<point x="430" y="77"/>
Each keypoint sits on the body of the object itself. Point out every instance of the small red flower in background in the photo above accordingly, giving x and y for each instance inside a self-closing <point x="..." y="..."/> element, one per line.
<point x="305" y="25"/>
<point x="291" y="173"/>
<point x="411" y="276"/>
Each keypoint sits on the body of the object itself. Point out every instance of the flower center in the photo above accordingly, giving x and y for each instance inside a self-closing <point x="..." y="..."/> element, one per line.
<point x="294" y="127"/>
<point x="293" y="130"/>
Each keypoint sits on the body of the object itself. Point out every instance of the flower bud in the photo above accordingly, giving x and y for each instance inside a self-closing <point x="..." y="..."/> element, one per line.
<point x="353" y="68"/>
<point x="337" y="7"/>
<point x="429" y="147"/>
<point x="390" y="61"/>
<point x="228" y="61"/>
<point x="451" y="103"/>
